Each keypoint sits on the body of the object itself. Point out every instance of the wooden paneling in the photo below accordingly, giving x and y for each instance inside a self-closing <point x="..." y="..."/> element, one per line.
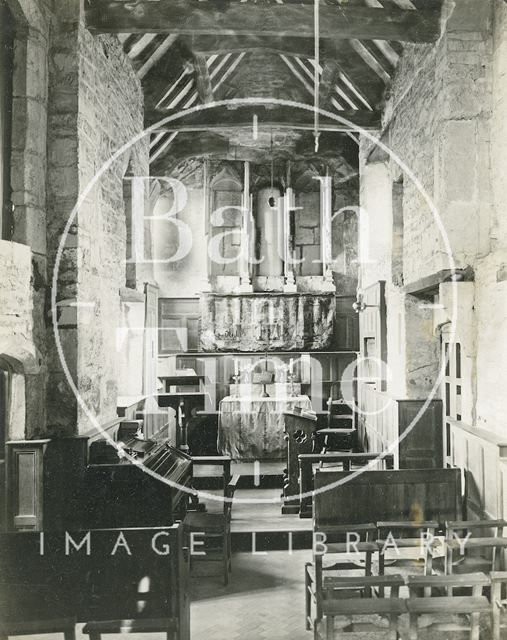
<point x="481" y="456"/>
<point x="178" y="325"/>
<point x="423" y="445"/>
<point x="386" y="422"/>
<point x="373" y="334"/>
<point x="346" y="325"/>
<point x="25" y="485"/>
<point x="43" y="483"/>
<point x="387" y="495"/>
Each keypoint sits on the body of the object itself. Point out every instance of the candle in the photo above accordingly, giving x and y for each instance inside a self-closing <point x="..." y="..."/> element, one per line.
<point x="236" y="367"/>
<point x="291" y="365"/>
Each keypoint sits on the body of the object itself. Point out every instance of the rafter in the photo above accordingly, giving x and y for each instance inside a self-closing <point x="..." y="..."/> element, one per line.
<point x="370" y="60"/>
<point x="289" y="20"/>
<point x="230" y="70"/>
<point x="138" y="47"/>
<point x="157" y="55"/>
<point x="241" y="116"/>
<point x="297" y="74"/>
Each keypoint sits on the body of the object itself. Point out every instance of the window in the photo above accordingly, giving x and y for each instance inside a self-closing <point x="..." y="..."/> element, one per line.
<point x="6" y="71"/>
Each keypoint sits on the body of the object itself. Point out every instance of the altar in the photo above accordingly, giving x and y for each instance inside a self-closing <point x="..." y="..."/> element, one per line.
<point x="251" y="427"/>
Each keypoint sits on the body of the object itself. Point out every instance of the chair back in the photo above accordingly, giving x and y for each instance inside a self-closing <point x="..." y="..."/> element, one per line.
<point x="229" y="491"/>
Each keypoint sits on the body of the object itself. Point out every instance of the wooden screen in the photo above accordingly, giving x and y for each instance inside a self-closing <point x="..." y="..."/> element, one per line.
<point x="178" y="325"/>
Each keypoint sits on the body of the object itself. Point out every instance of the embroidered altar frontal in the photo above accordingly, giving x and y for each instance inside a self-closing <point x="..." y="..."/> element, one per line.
<point x="267" y="322"/>
<point x="252" y="428"/>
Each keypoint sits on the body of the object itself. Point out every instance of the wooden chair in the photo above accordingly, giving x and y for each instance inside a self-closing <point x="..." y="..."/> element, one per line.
<point x="355" y="554"/>
<point x="453" y="605"/>
<point x="216" y="530"/>
<point x="408" y="536"/>
<point x="391" y="607"/>
<point x="475" y="553"/>
<point x="498" y="603"/>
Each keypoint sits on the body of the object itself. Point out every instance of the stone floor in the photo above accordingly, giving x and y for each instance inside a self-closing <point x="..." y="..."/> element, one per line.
<point x="264" y="599"/>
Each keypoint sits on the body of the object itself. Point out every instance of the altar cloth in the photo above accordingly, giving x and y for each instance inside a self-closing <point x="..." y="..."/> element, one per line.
<point x="251" y="428"/>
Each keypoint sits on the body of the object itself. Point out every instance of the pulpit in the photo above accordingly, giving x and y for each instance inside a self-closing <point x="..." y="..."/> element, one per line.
<point x="252" y="428"/>
<point x="299" y="432"/>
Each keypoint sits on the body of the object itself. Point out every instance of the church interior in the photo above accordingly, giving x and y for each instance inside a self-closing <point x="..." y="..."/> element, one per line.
<point x="253" y="319"/>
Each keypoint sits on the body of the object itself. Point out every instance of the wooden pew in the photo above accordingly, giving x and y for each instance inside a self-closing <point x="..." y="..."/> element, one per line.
<point x="347" y="460"/>
<point x="115" y="580"/>
<point x="399" y="495"/>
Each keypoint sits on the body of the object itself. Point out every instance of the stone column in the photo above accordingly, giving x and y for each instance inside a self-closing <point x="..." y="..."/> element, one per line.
<point x="247" y="230"/>
<point x="288" y="205"/>
<point x="326" y="217"/>
<point x="206" y="285"/>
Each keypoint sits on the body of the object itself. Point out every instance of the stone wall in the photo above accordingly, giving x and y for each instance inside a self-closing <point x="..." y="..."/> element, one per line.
<point x="446" y="121"/>
<point x="110" y="115"/>
<point x="23" y="261"/>
<point x="95" y="107"/>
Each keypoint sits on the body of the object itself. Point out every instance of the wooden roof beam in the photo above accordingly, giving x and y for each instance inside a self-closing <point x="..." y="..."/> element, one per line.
<point x="242" y="116"/>
<point x="208" y="44"/>
<point x="247" y="19"/>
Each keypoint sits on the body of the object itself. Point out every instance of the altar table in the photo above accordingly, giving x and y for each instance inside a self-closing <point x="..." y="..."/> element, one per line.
<point x="251" y="428"/>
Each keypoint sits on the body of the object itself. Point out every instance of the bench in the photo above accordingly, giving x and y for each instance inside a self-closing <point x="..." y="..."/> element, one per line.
<point x="408" y="495"/>
<point x="115" y="580"/>
<point x="347" y="460"/>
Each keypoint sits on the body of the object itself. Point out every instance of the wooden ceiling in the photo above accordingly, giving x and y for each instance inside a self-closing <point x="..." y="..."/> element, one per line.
<point x="194" y="52"/>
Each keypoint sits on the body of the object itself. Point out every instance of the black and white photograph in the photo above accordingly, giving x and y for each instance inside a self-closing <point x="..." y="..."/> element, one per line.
<point x="253" y="319"/>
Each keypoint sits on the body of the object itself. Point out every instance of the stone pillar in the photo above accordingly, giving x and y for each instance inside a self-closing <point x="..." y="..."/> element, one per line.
<point x="326" y="232"/>
<point x="247" y="231"/>
<point x="206" y="285"/>
<point x="270" y="232"/>
<point x="288" y="205"/>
